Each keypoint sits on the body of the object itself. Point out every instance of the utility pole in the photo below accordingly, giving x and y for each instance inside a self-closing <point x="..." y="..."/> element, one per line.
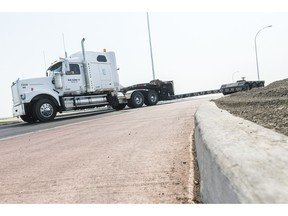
<point x="151" y="53"/>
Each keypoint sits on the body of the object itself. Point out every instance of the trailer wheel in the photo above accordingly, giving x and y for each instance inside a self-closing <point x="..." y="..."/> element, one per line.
<point x="136" y="100"/>
<point x="44" y="110"/>
<point x="152" y="98"/>
<point x="246" y="87"/>
<point x="254" y="85"/>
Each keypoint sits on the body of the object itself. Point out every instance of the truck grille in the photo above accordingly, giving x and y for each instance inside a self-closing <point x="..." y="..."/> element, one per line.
<point x="15" y="94"/>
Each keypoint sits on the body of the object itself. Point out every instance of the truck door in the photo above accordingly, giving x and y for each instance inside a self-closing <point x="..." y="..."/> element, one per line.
<point x="73" y="80"/>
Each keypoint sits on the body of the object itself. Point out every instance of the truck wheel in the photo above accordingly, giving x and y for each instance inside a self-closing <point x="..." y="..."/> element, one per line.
<point x="261" y="84"/>
<point x="28" y="118"/>
<point x="44" y="110"/>
<point x="136" y="100"/>
<point x="152" y="98"/>
<point x="119" y="107"/>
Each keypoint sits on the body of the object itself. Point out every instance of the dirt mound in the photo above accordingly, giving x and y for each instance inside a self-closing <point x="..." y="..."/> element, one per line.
<point x="266" y="106"/>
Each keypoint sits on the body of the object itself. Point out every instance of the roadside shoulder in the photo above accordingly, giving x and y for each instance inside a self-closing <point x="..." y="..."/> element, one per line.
<point x="5" y="121"/>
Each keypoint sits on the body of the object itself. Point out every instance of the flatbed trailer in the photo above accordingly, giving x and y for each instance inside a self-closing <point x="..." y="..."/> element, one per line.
<point x="193" y="94"/>
<point x="241" y="85"/>
<point x="157" y="90"/>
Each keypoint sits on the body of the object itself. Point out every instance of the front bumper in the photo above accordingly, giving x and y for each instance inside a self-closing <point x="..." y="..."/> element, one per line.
<point x="18" y="110"/>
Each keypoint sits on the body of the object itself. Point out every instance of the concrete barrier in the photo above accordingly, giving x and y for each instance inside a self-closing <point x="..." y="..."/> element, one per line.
<point x="239" y="161"/>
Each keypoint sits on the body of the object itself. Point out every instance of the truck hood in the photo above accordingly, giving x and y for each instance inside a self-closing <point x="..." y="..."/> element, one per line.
<point x="35" y="83"/>
<point x="32" y="86"/>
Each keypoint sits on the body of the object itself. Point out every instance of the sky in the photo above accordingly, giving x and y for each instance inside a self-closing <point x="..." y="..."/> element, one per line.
<point x="197" y="49"/>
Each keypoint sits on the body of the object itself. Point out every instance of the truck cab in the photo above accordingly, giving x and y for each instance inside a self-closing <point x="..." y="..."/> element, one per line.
<point x="97" y="74"/>
<point x="83" y="80"/>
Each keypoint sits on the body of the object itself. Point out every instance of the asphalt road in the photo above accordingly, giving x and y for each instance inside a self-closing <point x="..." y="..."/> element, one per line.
<point x="19" y="128"/>
<point x="132" y="156"/>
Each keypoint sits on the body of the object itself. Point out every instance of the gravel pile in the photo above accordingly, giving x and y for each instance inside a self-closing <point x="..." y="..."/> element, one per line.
<point x="266" y="106"/>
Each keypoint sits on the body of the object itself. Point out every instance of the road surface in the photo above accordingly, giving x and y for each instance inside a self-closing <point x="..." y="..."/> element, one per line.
<point x="135" y="156"/>
<point x="16" y="128"/>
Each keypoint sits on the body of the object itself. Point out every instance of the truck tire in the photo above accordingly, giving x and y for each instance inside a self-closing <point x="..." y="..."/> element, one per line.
<point x="136" y="100"/>
<point x="44" y="110"/>
<point x="152" y="98"/>
<point x="261" y="84"/>
<point x="119" y="107"/>
<point x="254" y="85"/>
<point x="28" y="118"/>
<point x="246" y="87"/>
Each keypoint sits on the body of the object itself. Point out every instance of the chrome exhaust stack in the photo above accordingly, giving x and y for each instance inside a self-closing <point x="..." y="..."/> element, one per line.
<point x="88" y="79"/>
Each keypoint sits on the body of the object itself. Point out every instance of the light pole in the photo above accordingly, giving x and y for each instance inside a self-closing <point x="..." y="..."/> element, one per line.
<point x="151" y="54"/>
<point x="256" y="49"/>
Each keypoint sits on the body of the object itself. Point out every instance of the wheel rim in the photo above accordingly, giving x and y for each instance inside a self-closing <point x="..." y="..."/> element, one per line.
<point x="138" y="99"/>
<point x="46" y="110"/>
<point x="153" y="98"/>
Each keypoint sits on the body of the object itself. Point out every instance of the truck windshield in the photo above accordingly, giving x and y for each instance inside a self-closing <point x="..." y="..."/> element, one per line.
<point x="56" y="68"/>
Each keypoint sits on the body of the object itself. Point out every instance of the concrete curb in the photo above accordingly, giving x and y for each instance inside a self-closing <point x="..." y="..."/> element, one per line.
<point x="239" y="161"/>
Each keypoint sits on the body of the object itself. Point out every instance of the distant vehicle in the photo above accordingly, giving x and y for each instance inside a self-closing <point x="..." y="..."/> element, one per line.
<point x="85" y="80"/>
<point x="240" y="85"/>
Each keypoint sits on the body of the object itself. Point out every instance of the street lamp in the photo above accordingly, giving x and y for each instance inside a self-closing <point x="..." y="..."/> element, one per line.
<point x="256" y="49"/>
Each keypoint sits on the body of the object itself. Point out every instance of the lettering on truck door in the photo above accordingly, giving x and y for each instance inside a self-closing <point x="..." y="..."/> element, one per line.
<point x="73" y="80"/>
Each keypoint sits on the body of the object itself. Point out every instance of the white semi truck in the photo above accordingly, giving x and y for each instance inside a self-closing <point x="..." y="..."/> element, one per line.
<point x="84" y="80"/>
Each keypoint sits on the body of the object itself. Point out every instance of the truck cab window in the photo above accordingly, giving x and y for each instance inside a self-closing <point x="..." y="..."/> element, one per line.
<point x="74" y="69"/>
<point x="56" y="68"/>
